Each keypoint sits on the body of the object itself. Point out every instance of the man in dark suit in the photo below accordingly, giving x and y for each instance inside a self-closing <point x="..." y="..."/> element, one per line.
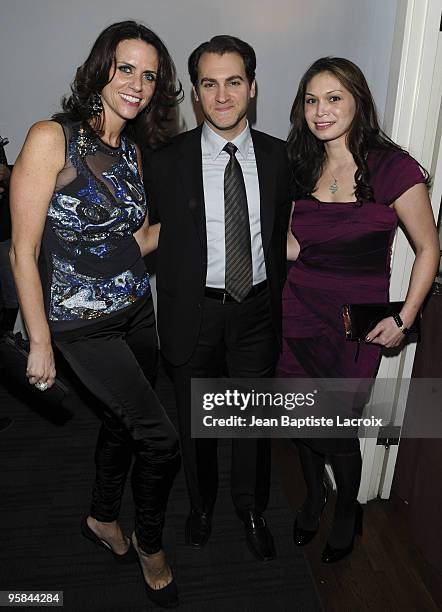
<point x="222" y="196"/>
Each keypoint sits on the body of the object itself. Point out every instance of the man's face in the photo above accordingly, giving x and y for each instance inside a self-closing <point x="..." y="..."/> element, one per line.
<point x="224" y="92"/>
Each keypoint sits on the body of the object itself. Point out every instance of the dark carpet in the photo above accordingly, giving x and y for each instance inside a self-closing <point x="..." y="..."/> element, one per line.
<point x="46" y="460"/>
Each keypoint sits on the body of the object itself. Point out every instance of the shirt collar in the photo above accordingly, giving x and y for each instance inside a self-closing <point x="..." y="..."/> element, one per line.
<point x="213" y="143"/>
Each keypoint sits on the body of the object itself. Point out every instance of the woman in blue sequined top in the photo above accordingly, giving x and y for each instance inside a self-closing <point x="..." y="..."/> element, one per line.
<point x="80" y="231"/>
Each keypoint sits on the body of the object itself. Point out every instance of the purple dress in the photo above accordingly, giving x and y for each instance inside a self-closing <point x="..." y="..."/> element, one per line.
<point x="344" y="258"/>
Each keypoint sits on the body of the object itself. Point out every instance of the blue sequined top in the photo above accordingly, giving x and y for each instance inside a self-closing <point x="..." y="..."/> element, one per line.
<point x="90" y="262"/>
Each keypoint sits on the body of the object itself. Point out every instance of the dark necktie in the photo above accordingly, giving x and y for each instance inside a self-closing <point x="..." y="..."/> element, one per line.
<point x="239" y="276"/>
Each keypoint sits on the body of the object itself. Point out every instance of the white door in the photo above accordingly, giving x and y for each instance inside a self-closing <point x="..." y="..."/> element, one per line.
<point x="411" y="119"/>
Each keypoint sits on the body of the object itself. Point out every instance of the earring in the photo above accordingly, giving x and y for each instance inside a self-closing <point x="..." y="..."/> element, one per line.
<point x="95" y="105"/>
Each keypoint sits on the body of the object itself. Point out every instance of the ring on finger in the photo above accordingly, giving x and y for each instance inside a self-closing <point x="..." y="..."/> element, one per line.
<point x="41" y="386"/>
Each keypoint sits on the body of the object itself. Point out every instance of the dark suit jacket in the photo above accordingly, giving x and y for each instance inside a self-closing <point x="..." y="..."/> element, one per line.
<point x="175" y="195"/>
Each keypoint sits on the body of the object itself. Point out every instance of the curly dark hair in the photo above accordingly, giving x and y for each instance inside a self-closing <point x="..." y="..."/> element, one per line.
<point x="307" y="153"/>
<point x="223" y="44"/>
<point x="149" y="128"/>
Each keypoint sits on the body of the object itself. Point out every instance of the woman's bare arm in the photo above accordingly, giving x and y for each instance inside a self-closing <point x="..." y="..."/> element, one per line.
<point x="414" y="210"/>
<point x="147" y="236"/>
<point x="32" y="185"/>
<point x="293" y="247"/>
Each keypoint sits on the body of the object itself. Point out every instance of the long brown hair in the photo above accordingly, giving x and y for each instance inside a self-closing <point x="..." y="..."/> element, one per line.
<point x="149" y="128"/>
<point x="307" y="153"/>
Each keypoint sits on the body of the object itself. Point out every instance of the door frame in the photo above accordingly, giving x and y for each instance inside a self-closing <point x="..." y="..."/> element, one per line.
<point x="411" y="119"/>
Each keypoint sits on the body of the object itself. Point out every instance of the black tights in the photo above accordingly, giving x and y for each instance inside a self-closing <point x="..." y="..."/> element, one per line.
<point x="313" y="465"/>
<point x="347" y="473"/>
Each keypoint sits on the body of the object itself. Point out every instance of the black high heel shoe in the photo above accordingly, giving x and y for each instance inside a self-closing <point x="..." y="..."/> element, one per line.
<point x="166" y="597"/>
<point x="331" y="554"/>
<point x="130" y="556"/>
<point x="301" y="537"/>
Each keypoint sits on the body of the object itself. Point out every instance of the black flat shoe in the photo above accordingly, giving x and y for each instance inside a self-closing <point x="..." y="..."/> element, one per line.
<point x="198" y="528"/>
<point x="301" y="536"/>
<point x="130" y="556"/>
<point x="331" y="554"/>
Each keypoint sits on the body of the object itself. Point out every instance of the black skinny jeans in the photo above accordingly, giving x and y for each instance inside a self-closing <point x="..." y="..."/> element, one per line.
<point x="115" y="363"/>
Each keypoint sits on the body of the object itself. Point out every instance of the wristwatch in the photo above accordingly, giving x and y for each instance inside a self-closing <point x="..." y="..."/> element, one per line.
<point x="400" y="323"/>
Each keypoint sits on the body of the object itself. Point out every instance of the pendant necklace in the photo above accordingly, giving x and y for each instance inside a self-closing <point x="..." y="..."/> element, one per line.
<point x="333" y="187"/>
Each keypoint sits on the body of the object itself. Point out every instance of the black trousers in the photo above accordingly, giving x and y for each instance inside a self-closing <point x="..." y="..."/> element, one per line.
<point x="238" y="339"/>
<point x="115" y="363"/>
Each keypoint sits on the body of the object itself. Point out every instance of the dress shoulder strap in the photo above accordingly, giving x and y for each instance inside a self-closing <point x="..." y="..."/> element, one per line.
<point x="66" y="126"/>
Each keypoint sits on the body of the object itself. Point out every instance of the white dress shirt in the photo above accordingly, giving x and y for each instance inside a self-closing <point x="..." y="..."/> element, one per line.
<point x="214" y="164"/>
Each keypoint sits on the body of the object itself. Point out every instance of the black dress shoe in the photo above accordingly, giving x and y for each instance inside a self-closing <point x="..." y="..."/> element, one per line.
<point x="130" y="556"/>
<point x="301" y="536"/>
<point x="198" y="528"/>
<point x="332" y="554"/>
<point x="258" y="536"/>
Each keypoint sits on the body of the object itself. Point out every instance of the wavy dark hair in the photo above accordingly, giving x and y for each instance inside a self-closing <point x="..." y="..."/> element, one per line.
<point x="307" y="153"/>
<point x="149" y="128"/>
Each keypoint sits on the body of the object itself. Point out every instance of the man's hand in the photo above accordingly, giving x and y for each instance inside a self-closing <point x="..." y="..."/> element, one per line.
<point x="5" y="173"/>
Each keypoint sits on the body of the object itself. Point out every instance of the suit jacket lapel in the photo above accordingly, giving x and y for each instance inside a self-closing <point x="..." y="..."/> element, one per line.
<point x="191" y="170"/>
<point x="266" y="178"/>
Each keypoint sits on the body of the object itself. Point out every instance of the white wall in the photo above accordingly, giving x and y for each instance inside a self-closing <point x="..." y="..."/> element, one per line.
<point x="43" y="41"/>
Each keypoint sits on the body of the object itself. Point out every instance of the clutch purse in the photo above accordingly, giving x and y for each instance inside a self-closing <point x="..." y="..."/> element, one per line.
<point x="359" y="319"/>
<point x="14" y="351"/>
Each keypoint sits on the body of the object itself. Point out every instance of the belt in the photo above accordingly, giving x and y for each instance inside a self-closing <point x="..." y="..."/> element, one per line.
<point x="223" y="296"/>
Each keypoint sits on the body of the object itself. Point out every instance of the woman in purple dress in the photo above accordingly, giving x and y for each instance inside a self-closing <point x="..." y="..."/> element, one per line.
<point x="352" y="185"/>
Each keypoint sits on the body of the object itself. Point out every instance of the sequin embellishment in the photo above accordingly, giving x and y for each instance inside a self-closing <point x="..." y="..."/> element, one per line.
<point x="88" y="241"/>
<point x="77" y="296"/>
<point x="86" y="145"/>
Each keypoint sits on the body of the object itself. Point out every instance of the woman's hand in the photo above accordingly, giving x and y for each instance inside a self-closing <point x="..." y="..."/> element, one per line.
<point x="41" y="365"/>
<point x="387" y="333"/>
